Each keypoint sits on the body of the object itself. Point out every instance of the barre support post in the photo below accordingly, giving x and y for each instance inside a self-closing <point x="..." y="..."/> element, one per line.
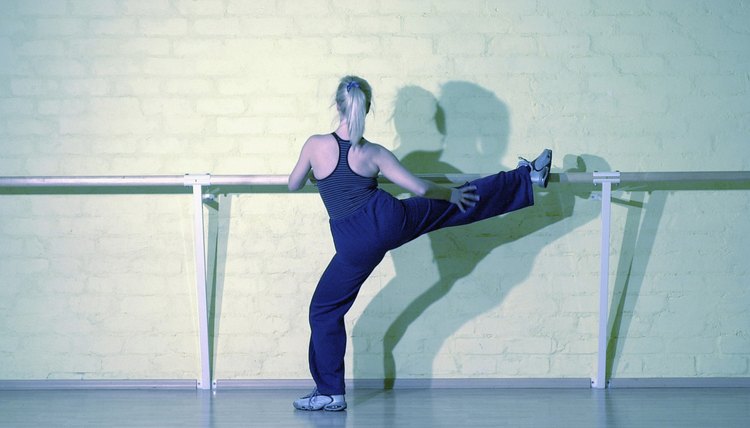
<point x="197" y="181"/>
<point x="606" y="179"/>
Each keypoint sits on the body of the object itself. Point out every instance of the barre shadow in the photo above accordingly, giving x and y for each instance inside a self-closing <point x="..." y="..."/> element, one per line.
<point x="465" y="130"/>
<point x="641" y="223"/>
<point x="216" y="251"/>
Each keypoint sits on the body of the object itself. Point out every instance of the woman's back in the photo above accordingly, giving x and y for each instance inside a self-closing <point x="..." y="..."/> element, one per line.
<point x="325" y="156"/>
<point x="342" y="188"/>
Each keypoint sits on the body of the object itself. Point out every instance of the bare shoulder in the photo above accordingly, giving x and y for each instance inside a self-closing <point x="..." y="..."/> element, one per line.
<point x="374" y="149"/>
<point x="319" y="143"/>
<point x="318" y="139"/>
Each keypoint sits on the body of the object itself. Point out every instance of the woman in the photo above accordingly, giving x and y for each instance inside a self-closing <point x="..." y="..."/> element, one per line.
<point x="366" y="222"/>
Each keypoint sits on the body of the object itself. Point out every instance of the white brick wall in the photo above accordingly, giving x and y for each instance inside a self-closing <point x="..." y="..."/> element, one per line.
<point x="101" y="287"/>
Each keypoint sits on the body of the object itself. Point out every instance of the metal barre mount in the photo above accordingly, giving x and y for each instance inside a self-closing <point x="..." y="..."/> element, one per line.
<point x="200" y="181"/>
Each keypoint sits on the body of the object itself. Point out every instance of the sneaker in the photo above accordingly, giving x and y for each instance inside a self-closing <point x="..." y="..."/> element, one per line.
<point x="316" y="401"/>
<point x="539" y="167"/>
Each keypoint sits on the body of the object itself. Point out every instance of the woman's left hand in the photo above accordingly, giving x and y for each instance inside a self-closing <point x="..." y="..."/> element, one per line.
<point x="464" y="196"/>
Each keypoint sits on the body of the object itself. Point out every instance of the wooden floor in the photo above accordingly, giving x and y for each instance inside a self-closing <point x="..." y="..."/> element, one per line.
<point x="681" y="407"/>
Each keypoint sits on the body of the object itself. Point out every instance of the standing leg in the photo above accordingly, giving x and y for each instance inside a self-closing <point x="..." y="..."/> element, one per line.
<point x="333" y="297"/>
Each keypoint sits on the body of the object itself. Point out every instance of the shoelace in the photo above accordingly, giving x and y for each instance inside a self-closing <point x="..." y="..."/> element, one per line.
<point x="531" y="164"/>
<point x="310" y="397"/>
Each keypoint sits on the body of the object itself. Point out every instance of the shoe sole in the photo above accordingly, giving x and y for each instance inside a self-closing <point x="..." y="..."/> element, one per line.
<point x="335" y="407"/>
<point x="548" y="166"/>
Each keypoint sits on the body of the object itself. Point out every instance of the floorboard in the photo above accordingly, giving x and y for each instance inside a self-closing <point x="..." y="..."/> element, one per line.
<point x="653" y="407"/>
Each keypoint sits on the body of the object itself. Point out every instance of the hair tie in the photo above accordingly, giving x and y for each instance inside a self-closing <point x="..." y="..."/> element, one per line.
<point x="352" y="84"/>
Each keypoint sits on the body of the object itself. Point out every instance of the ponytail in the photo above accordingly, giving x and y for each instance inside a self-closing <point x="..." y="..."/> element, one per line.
<point x="353" y="99"/>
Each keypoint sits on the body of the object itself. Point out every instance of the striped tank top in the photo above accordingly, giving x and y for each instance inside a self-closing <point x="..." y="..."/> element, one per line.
<point x="344" y="191"/>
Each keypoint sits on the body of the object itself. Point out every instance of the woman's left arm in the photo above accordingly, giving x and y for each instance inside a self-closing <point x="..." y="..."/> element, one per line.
<point x="302" y="170"/>
<point x="391" y="168"/>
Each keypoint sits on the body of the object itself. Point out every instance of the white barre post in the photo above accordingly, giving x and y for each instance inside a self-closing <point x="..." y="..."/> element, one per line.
<point x="605" y="179"/>
<point x="197" y="181"/>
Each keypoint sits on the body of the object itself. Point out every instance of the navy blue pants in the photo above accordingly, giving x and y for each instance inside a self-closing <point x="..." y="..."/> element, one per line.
<point x="362" y="239"/>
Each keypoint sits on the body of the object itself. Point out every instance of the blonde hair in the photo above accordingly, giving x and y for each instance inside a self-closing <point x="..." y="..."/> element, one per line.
<point x="353" y="99"/>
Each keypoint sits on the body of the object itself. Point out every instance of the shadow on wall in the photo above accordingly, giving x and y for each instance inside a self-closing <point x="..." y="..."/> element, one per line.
<point x="466" y="126"/>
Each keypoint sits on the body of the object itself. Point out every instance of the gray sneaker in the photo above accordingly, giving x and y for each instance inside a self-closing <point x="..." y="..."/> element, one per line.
<point x="539" y="168"/>
<point x="316" y="401"/>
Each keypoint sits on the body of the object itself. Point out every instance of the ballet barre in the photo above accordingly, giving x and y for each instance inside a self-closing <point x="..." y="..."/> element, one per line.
<point x="204" y="186"/>
<point x="625" y="178"/>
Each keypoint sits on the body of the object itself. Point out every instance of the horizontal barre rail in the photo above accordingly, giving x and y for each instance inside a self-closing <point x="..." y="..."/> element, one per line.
<point x="281" y="180"/>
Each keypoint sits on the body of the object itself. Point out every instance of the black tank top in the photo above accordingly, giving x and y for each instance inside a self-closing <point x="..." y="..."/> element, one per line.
<point x="344" y="191"/>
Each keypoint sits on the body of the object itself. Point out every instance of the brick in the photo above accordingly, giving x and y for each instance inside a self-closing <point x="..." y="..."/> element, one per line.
<point x="41" y="48"/>
<point x="355" y="46"/>
<point x="146" y="7"/>
<point x="734" y="365"/>
<point x="422" y="25"/>
<point x="653" y="65"/>
<point x="93" y="7"/>
<point x="646" y="24"/>
<point x="85" y="87"/>
<point x="395" y="7"/>
<point x="28" y="126"/>
<point x="217" y="26"/>
<point x="375" y="24"/>
<point x="737" y="344"/>
<point x="509" y="65"/>
<point x="208" y="67"/>
<point x="12" y="26"/>
<point x="303" y="8"/>
<point x="693" y="64"/>
<point x="173" y="106"/>
<point x="233" y="126"/>
<point x="511" y="44"/>
<point x="108" y="124"/>
<point x="202" y="7"/>
<point x="532" y="366"/>
<point x="591" y="25"/>
<point x="114" y="26"/>
<point x="60" y="26"/>
<point x="136" y="87"/>
<point x="185" y="124"/>
<point x="197" y="47"/>
<point x="530" y="345"/>
<point x="60" y="67"/>
<point x="266" y="26"/>
<point x="42" y="7"/>
<point x="475" y="365"/>
<point x="591" y="64"/>
<point x="261" y="7"/>
<point x="189" y="86"/>
<point x="117" y="67"/>
<point x="461" y="45"/>
<point x="693" y="345"/>
<point x="16" y="106"/>
<point x="223" y="106"/>
<point x="163" y="27"/>
<point x="169" y="67"/>
<point x="618" y="9"/>
<point x="678" y="365"/>
<point x="672" y="44"/>
<point x="537" y="24"/>
<point x="617" y="44"/>
<point x="145" y="46"/>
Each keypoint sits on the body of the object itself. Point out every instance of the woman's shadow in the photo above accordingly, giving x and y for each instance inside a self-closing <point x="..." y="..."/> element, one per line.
<point x="468" y="126"/>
